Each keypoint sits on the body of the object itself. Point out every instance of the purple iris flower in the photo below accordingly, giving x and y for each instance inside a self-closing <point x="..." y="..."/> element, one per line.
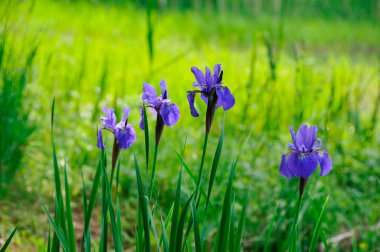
<point x="212" y="91"/>
<point x="161" y="106"/>
<point x="306" y="153"/>
<point x="124" y="133"/>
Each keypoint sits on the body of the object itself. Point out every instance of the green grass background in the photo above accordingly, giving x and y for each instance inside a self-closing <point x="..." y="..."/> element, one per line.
<point x="91" y="55"/>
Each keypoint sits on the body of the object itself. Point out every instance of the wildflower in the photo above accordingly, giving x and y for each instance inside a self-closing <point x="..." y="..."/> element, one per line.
<point x="161" y="106"/>
<point x="213" y="93"/>
<point x="306" y="154"/>
<point x="124" y="133"/>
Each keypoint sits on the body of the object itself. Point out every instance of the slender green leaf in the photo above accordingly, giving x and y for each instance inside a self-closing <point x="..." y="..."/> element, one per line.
<point x="354" y="246"/>
<point x="115" y="232"/>
<point x="270" y="229"/>
<point x="197" y="238"/>
<point x="164" y="237"/>
<point x="239" y="232"/>
<point x="232" y="224"/>
<point x="69" y="214"/>
<point x="8" y="241"/>
<point x="144" y="206"/>
<point x="175" y="217"/>
<point x="181" y="224"/>
<point x="224" y="221"/>
<point x="317" y="229"/>
<point x="57" y="230"/>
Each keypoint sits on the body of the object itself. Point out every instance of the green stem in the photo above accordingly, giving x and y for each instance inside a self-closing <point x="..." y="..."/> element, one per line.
<point x="201" y="167"/>
<point x="296" y="217"/>
<point x="153" y="171"/>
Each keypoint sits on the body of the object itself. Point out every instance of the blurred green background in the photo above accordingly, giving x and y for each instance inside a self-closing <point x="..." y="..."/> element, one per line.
<point x="286" y="61"/>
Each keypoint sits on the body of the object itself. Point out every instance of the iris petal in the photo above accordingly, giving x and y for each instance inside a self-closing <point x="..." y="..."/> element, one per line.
<point x="164" y="89"/>
<point x="125" y="136"/>
<point x="170" y="113"/>
<point x="199" y="76"/>
<point x="325" y="163"/>
<point x="217" y="69"/>
<point x="100" y="143"/>
<point x="302" y="165"/>
<point x="190" y="99"/>
<point x="306" y="136"/>
<point x="225" y="96"/>
<point x="284" y="170"/>
<point x="141" y="124"/>
<point x="109" y="121"/>
<point x="149" y="93"/>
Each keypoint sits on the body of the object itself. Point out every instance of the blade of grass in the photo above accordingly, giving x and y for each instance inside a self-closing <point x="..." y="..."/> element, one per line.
<point x="223" y="228"/>
<point x="181" y="224"/>
<point x="317" y="229"/>
<point x="144" y="205"/>
<point x="197" y="238"/>
<point x="69" y="214"/>
<point x="270" y="229"/>
<point x="232" y="224"/>
<point x="8" y="241"/>
<point x="354" y="246"/>
<point x="239" y="232"/>
<point x="115" y="232"/>
<point x="58" y="232"/>
<point x="175" y="216"/>
<point x="164" y="237"/>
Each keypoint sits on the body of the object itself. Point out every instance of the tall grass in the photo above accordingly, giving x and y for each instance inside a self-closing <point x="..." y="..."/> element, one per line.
<point x="15" y="73"/>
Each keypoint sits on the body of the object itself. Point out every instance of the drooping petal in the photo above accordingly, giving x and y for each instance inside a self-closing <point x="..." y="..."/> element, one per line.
<point x="125" y="136"/>
<point x="109" y="121"/>
<point x="149" y="93"/>
<point x="302" y="165"/>
<point x="169" y="113"/>
<point x="100" y="143"/>
<point x="125" y="115"/>
<point x="164" y="89"/>
<point x="325" y="163"/>
<point x="199" y="76"/>
<point x="225" y="96"/>
<point x="284" y="170"/>
<point x="190" y="99"/>
<point x="217" y="69"/>
<point x="141" y="124"/>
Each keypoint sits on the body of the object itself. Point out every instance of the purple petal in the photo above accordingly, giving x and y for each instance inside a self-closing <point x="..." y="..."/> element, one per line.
<point x="125" y="115"/>
<point x="284" y="168"/>
<point x="125" y="136"/>
<point x="149" y="93"/>
<point x="190" y="99"/>
<point x="305" y="137"/>
<point x="325" y="163"/>
<point x="204" y="98"/>
<point x="209" y="79"/>
<point x="141" y="125"/>
<point x="164" y="89"/>
<point x="169" y="113"/>
<point x="302" y="165"/>
<point x="109" y="121"/>
<point x="100" y="143"/>
<point x="291" y="129"/>
<point x="226" y="98"/>
<point x="217" y="69"/>
<point x="199" y="76"/>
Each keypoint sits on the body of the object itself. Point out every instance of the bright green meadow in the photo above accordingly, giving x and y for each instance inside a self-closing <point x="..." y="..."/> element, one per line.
<point x="284" y="65"/>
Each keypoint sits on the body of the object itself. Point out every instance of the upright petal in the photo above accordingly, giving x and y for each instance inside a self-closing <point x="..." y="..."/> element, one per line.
<point x="169" y="113"/>
<point x="199" y="76"/>
<point x="125" y="136"/>
<point x="164" y="89"/>
<point x="100" y="143"/>
<point x="325" y="163"/>
<point x="209" y="79"/>
<point x="149" y="93"/>
<point x="284" y="170"/>
<point x="291" y="129"/>
<point x="225" y="96"/>
<point x="217" y="69"/>
<point x="190" y="99"/>
<point x="302" y="165"/>
<point x="109" y="121"/>
<point x="300" y="138"/>
<point x="125" y="115"/>
<point x="141" y="124"/>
